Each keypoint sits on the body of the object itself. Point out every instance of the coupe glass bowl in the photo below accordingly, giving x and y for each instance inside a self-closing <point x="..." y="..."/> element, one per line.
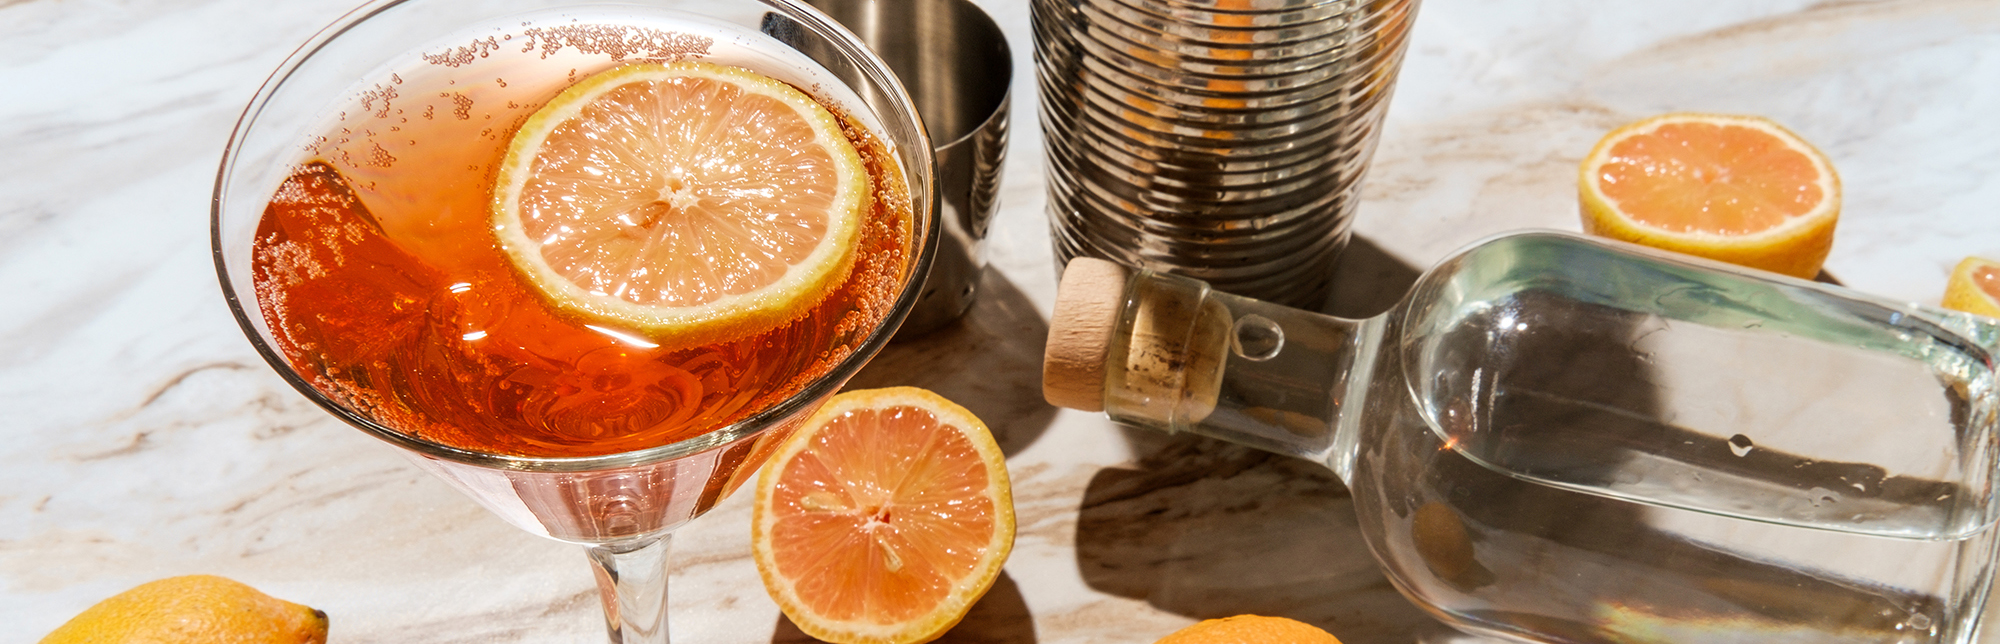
<point x="622" y="506"/>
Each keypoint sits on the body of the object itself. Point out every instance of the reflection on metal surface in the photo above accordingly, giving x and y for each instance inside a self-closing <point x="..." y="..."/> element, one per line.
<point x="1223" y="142"/>
<point x="954" y="62"/>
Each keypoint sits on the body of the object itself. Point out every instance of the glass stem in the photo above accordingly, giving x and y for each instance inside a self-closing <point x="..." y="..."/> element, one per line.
<point x="632" y="582"/>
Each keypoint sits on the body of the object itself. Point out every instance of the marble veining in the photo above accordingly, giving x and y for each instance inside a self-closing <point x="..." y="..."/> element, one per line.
<point x="144" y="437"/>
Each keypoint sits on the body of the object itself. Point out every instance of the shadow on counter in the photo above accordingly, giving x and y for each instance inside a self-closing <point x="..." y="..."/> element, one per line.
<point x="990" y="361"/>
<point x="1206" y="529"/>
<point x="1368" y="281"/>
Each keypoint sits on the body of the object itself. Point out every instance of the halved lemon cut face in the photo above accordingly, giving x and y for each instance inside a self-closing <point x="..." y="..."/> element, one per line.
<point x="1974" y="287"/>
<point x="884" y="518"/>
<point x="690" y="202"/>
<point x="1738" y="189"/>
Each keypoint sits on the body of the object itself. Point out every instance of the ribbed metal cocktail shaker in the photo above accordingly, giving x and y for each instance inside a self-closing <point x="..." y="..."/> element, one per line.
<point x="1219" y="139"/>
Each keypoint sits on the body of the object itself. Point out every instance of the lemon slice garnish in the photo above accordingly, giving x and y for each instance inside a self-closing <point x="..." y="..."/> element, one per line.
<point x="690" y="202"/>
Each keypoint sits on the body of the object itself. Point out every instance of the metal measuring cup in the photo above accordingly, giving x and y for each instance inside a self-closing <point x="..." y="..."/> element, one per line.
<point x="954" y="61"/>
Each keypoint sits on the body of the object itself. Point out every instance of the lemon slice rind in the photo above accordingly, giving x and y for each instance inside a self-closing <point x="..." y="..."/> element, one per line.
<point x="803" y="284"/>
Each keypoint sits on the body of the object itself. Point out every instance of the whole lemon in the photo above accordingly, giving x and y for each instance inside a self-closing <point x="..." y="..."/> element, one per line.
<point x="193" y="609"/>
<point x="1250" y="629"/>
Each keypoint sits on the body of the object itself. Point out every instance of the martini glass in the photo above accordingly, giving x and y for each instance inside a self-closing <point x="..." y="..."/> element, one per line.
<point x="408" y="63"/>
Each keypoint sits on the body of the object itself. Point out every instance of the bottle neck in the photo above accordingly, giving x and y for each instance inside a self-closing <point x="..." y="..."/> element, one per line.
<point x="1186" y="358"/>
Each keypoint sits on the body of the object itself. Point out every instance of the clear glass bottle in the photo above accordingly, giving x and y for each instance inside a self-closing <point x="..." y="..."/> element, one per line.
<point x="1563" y="439"/>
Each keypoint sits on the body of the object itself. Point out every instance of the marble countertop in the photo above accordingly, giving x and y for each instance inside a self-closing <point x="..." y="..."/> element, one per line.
<point x="141" y="437"/>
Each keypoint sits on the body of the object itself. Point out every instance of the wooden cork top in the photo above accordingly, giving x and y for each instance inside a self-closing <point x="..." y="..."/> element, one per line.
<point x="1087" y="305"/>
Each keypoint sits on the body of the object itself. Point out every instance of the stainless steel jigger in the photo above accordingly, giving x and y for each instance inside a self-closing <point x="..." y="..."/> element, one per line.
<point x="954" y="62"/>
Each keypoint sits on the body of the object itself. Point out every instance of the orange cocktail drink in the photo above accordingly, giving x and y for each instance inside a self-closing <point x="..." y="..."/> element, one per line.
<point x="407" y="307"/>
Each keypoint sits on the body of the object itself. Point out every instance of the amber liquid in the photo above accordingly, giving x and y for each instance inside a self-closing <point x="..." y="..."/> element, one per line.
<point x="383" y="288"/>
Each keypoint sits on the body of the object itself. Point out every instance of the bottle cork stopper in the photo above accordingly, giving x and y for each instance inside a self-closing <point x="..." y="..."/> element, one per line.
<point x="1087" y="306"/>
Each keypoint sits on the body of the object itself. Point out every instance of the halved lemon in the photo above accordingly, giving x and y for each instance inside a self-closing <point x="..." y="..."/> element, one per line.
<point x="1738" y="189"/>
<point x="690" y="202"/>
<point x="884" y="519"/>
<point x="1974" y="287"/>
